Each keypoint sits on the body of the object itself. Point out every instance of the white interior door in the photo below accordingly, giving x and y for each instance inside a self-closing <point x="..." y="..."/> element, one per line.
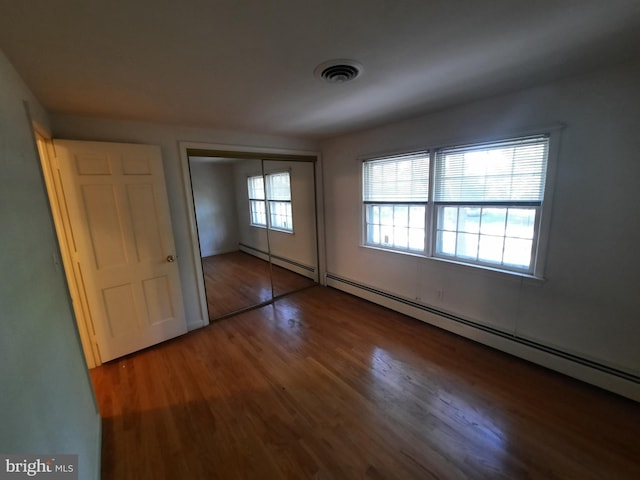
<point x="123" y="243"/>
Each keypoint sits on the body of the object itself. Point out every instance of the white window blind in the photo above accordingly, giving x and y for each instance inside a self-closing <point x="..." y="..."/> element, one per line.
<point x="256" y="187"/>
<point x="278" y="186"/>
<point x="506" y="171"/>
<point x="401" y="178"/>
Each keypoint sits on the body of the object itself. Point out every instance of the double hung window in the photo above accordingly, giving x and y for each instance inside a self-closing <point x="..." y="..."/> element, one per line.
<point x="484" y="206"/>
<point x="257" y="205"/>
<point x="488" y="201"/>
<point x="395" y="196"/>
<point x="270" y="201"/>
<point x="279" y="198"/>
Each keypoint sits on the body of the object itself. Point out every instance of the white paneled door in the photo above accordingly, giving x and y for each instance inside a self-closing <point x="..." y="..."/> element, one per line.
<point x="116" y="199"/>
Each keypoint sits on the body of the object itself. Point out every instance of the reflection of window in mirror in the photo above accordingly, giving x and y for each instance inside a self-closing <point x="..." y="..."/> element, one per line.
<point x="278" y="196"/>
<point x="256" y="201"/>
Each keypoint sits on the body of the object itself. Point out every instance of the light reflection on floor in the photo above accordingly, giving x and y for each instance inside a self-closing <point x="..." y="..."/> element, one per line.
<point x="401" y="389"/>
<point x="287" y="322"/>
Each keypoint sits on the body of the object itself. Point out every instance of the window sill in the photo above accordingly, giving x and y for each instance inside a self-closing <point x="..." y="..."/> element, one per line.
<point x="271" y="229"/>
<point x="392" y="250"/>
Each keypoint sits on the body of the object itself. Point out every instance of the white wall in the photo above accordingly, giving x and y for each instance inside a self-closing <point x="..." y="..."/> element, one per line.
<point x="214" y="196"/>
<point x="168" y="138"/>
<point x="46" y="400"/>
<point x="589" y="305"/>
<point x="254" y="237"/>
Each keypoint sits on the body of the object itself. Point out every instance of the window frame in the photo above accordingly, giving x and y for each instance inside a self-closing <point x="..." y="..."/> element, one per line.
<point x="267" y="202"/>
<point x="386" y="245"/>
<point x="477" y="261"/>
<point x="542" y="221"/>
<point x="401" y="203"/>
<point x="256" y="200"/>
<point x="272" y="201"/>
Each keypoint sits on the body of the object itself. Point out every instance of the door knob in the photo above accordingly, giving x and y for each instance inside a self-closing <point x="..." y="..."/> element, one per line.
<point x="171" y="258"/>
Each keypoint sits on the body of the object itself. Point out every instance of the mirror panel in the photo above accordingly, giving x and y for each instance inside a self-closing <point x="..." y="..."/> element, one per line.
<point x="290" y="187"/>
<point x="235" y="278"/>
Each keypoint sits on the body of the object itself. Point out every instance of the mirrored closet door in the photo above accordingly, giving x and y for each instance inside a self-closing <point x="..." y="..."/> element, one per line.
<point x="256" y="222"/>
<point x="291" y="230"/>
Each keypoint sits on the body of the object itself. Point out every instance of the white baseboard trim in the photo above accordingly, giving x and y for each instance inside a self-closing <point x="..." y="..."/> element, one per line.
<point x="620" y="382"/>
<point x="220" y="252"/>
<point x="194" y="325"/>
<point x="294" y="266"/>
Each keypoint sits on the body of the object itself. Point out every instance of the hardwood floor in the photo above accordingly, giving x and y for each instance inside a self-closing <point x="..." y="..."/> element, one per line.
<point x="325" y="385"/>
<point x="235" y="281"/>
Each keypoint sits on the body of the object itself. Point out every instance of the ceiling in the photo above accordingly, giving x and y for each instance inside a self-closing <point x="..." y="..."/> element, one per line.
<point x="248" y="64"/>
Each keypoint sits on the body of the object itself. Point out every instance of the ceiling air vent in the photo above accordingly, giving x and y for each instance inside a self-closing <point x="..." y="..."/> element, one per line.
<point x="338" y="71"/>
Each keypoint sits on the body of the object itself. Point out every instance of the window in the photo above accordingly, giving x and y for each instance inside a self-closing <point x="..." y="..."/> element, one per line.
<point x="488" y="200"/>
<point x="485" y="205"/>
<point x="279" y="197"/>
<point x="275" y="206"/>
<point x="258" y="210"/>
<point x="396" y="190"/>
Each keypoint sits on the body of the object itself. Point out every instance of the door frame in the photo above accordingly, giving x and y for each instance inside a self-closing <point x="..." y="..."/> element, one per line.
<point x="187" y="149"/>
<point x="62" y="224"/>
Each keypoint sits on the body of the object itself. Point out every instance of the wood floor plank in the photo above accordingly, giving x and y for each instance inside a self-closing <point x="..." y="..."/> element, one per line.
<point x="325" y="385"/>
<point x="236" y="280"/>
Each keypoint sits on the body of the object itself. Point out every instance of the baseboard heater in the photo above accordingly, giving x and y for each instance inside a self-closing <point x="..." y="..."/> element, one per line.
<point x="265" y="255"/>
<point x="331" y="278"/>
